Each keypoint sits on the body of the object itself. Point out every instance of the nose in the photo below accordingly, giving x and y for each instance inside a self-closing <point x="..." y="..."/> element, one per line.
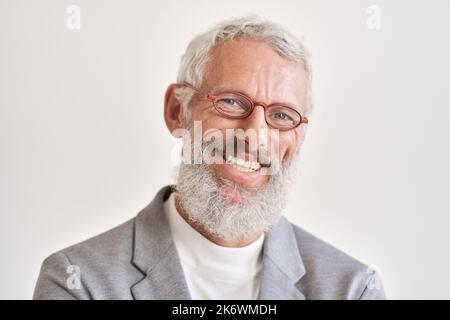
<point x="256" y="122"/>
<point x="257" y="119"/>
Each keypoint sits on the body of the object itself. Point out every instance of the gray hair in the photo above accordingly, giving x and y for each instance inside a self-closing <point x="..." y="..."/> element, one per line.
<point x="193" y="61"/>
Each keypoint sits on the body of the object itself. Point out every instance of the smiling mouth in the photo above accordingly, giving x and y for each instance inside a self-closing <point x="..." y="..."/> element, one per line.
<point x="244" y="165"/>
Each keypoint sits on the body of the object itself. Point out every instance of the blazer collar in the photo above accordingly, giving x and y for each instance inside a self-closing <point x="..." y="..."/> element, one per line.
<point x="156" y="257"/>
<point x="282" y="264"/>
<point x="155" y="254"/>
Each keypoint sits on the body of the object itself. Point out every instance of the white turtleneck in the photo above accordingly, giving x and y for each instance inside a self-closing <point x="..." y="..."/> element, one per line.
<point x="212" y="271"/>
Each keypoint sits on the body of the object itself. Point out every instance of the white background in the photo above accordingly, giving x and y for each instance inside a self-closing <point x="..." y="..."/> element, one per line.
<point x="84" y="146"/>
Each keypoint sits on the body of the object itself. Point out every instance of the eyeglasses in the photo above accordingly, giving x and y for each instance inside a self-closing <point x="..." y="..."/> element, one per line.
<point x="236" y="105"/>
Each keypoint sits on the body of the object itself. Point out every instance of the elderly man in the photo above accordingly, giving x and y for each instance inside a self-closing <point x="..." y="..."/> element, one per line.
<point x="244" y="88"/>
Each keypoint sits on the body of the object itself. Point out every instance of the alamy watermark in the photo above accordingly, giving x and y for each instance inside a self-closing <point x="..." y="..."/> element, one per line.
<point x="373" y="21"/>
<point x="73" y="281"/>
<point x="73" y="19"/>
<point x="233" y="146"/>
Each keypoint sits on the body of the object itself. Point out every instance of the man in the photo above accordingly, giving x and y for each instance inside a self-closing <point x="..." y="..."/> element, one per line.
<point x="244" y="88"/>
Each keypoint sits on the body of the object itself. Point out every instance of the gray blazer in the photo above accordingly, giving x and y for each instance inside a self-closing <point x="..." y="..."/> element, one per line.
<point x="138" y="260"/>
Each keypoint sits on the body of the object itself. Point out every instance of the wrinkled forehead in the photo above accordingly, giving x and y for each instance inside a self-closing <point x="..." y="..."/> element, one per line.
<point x="256" y="68"/>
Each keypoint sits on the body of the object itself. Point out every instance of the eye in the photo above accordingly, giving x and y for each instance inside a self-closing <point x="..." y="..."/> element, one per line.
<point x="231" y="102"/>
<point x="281" y="116"/>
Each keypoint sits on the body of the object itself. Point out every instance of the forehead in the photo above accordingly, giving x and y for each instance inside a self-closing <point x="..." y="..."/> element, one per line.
<point x="255" y="68"/>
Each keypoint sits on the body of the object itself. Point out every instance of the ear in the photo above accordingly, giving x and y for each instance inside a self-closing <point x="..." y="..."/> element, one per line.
<point x="173" y="115"/>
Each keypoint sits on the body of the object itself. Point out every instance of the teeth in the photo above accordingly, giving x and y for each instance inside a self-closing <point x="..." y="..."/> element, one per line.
<point x="242" y="165"/>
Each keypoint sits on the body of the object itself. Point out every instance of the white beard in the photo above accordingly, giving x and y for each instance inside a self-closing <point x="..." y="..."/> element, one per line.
<point x="203" y="201"/>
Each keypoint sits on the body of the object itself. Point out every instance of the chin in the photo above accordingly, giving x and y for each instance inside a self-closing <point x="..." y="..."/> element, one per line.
<point x="232" y="195"/>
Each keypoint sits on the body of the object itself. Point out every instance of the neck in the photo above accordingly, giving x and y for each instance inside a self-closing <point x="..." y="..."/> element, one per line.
<point x="231" y="243"/>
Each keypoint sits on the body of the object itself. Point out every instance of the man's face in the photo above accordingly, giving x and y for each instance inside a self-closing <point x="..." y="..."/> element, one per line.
<point x="254" y="68"/>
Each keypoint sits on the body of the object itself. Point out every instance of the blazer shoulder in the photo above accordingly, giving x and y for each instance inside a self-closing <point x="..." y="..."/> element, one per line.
<point x="111" y="244"/>
<point x="317" y="251"/>
<point x="332" y="273"/>
<point x="102" y="264"/>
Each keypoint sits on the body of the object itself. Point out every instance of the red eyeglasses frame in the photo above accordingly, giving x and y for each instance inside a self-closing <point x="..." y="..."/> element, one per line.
<point x="212" y="98"/>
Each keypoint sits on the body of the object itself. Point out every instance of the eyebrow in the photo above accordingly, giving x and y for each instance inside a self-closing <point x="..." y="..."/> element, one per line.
<point x="216" y="90"/>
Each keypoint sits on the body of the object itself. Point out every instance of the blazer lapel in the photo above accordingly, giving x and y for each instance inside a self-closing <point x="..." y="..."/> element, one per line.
<point x="155" y="255"/>
<point x="282" y="264"/>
